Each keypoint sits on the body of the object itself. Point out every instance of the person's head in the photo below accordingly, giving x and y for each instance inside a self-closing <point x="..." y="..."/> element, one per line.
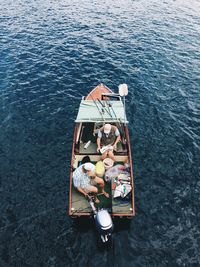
<point x="85" y="159"/>
<point x="107" y="128"/>
<point x="89" y="168"/>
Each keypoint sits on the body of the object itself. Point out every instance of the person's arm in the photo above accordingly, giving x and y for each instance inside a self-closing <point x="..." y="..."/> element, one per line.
<point x="116" y="141"/>
<point x="117" y="137"/>
<point x="98" y="143"/>
<point x="99" y="140"/>
<point x="81" y="191"/>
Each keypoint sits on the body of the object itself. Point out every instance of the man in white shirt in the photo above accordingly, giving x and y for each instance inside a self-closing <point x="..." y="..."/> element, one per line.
<point x="85" y="181"/>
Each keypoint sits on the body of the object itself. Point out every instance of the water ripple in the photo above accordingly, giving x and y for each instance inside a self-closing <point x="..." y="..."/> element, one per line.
<point x="52" y="53"/>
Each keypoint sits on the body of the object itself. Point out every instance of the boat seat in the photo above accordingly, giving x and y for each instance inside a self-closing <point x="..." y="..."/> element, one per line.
<point x="92" y="149"/>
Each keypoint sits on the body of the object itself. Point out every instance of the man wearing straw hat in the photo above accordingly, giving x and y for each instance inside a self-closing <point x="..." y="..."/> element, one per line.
<point x="108" y="137"/>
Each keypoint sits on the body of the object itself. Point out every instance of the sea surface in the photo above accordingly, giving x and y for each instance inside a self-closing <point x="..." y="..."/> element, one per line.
<point x="51" y="54"/>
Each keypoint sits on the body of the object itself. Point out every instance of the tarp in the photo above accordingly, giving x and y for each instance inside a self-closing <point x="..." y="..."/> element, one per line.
<point x="93" y="111"/>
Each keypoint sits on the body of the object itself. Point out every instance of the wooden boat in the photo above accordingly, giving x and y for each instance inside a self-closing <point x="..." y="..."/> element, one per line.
<point x="100" y="106"/>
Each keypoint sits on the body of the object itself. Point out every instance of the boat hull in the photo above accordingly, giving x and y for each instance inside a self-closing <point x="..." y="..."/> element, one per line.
<point x="78" y="205"/>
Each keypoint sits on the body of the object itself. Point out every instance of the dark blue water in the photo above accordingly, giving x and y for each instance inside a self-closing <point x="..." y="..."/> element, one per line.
<point x="52" y="53"/>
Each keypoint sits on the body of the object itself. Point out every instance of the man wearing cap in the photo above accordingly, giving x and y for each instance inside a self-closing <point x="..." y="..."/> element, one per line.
<point x="85" y="179"/>
<point x="108" y="136"/>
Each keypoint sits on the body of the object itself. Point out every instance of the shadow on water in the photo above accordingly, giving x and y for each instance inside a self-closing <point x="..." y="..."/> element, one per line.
<point x="121" y="224"/>
<point x="86" y="224"/>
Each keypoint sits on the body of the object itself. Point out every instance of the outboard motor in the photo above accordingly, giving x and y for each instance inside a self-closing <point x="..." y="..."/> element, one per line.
<point x="103" y="222"/>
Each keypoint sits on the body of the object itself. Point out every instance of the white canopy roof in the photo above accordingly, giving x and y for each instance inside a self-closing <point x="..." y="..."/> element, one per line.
<point x="93" y="111"/>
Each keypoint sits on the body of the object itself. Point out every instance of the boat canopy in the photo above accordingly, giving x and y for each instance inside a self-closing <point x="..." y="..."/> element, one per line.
<point x="101" y="111"/>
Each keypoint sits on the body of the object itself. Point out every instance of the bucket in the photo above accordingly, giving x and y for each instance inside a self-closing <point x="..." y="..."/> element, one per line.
<point x="100" y="169"/>
<point x="108" y="163"/>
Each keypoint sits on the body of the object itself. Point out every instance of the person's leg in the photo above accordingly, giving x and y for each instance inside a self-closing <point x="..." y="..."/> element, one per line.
<point x="111" y="155"/>
<point x="101" y="183"/>
<point x="104" y="155"/>
<point x="94" y="190"/>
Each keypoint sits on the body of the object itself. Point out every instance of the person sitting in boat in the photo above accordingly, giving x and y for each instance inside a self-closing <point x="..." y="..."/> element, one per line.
<point x="108" y="137"/>
<point x="85" y="181"/>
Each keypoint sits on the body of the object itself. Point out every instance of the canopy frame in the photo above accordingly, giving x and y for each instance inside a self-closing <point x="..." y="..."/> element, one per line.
<point x="106" y="111"/>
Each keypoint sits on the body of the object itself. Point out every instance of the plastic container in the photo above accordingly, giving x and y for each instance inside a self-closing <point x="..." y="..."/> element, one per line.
<point x="108" y="163"/>
<point x="87" y="144"/>
<point x="113" y="172"/>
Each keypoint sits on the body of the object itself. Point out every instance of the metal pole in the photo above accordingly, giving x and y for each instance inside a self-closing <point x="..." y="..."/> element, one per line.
<point x="124" y="112"/>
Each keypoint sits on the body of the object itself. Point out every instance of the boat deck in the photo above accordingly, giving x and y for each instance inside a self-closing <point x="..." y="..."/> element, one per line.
<point x="115" y="206"/>
<point x="80" y="205"/>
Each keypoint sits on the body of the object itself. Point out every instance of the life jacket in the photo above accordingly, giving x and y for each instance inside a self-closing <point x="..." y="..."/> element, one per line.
<point x="110" y="138"/>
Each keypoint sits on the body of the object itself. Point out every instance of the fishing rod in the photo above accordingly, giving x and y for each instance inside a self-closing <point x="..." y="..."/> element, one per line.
<point x="103" y="106"/>
<point x="110" y="114"/>
<point x="110" y="106"/>
<point x="97" y="107"/>
<point x="123" y="91"/>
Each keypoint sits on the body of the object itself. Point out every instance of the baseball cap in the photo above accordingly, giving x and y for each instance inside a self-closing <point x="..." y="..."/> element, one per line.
<point x="89" y="167"/>
<point x="107" y="128"/>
